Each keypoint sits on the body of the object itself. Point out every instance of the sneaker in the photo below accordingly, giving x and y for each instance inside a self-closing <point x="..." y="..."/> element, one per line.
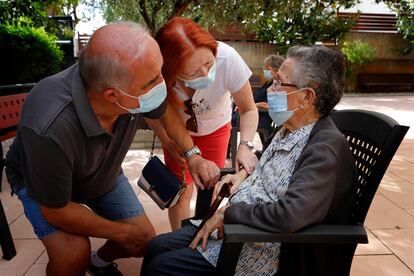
<point x="109" y="270"/>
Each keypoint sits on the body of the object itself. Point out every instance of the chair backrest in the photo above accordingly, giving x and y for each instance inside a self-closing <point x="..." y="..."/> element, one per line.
<point x="373" y="139"/>
<point x="10" y="109"/>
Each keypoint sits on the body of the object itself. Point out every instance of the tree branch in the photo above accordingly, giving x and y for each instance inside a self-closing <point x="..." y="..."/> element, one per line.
<point x="148" y="20"/>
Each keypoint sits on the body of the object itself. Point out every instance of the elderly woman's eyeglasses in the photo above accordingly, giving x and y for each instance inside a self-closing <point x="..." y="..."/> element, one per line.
<point x="277" y="83"/>
<point x="191" y="123"/>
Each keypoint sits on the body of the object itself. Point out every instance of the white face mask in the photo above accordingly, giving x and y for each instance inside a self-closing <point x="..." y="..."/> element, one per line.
<point x="148" y="101"/>
<point x="202" y="82"/>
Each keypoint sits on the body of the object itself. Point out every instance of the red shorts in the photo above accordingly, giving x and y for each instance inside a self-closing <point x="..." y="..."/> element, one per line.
<point x="213" y="147"/>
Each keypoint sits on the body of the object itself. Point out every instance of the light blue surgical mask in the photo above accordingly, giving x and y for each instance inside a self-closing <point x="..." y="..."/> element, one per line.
<point x="267" y="74"/>
<point x="202" y="82"/>
<point x="148" y="101"/>
<point x="278" y="106"/>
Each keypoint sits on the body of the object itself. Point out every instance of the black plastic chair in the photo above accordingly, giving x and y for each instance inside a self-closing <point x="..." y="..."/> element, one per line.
<point x="373" y="138"/>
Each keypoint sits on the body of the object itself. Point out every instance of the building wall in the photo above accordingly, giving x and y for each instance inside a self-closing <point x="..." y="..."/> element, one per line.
<point x="253" y="54"/>
<point x="387" y="60"/>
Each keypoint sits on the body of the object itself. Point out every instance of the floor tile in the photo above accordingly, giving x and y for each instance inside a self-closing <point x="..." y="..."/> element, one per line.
<point x="11" y="205"/>
<point x="43" y="259"/>
<point x="410" y="211"/>
<point x="22" y="229"/>
<point x="401" y="243"/>
<point x="400" y="166"/>
<point x="378" y="265"/>
<point x="28" y="251"/>
<point x="398" y="190"/>
<point x="37" y="270"/>
<point x="374" y="246"/>
<point x="385" y="214"/>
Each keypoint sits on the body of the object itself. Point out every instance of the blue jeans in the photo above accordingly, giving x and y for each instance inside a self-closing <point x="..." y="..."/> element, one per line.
<point x="118" y="204"/>
<point x="169" y="254"/>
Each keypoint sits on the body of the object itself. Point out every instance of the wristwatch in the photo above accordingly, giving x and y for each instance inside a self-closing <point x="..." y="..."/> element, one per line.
<point x="247" y="143"/>
<point x="190" y="152"/>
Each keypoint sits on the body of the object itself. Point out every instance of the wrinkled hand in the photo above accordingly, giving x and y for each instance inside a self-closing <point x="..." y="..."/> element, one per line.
<point x="234" y="179"/>
<point x="205" y="173"/>
<point x="215" y="222"/>
<point x="175" y="153"/>
<point x="246" y="158"/>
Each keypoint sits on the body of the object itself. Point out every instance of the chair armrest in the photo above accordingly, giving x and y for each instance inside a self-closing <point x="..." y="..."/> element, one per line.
<point x="238" y="233"/>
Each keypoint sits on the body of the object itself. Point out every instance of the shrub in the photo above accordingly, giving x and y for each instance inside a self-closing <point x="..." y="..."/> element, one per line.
<point x="27" y="54"/>
<point x="357" y="53"/>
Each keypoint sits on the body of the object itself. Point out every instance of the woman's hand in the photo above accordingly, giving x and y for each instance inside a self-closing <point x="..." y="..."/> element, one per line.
<point x="234" y="179"/>
<point x="215" y="222"/>
<point x="246" y="158"/>
<point x="175" y="153"/>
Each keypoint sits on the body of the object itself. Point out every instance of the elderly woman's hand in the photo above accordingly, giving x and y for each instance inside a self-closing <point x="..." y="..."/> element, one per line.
<point x="246" y="158"/>
<point x="234" y="179"/>
<point x="215" y="222"/>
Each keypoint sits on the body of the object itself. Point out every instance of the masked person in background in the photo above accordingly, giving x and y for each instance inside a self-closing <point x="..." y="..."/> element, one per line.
<point x="270" y="70"/>
<point x="201" y="76"/>
<point x="305" y="176"/>
<point x="75" y="130"/>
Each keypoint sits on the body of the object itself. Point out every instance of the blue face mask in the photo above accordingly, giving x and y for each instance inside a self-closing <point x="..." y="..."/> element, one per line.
<point x="202" y="82"/>
<point x="148" y="101"/>
<point x="267" y="74"/>
<point x="278" y="106"/>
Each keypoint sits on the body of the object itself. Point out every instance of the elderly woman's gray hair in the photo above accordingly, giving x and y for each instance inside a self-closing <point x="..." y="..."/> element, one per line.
<point x="322" y="69"/>
<point x="274" y="61"/>
<point x="104" y="62"/>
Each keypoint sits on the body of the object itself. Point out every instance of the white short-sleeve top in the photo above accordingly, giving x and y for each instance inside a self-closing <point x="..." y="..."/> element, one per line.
<point x="212" y="105"/>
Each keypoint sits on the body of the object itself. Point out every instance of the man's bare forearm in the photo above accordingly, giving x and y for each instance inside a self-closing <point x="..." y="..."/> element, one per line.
<point x="76" y="219"/>
<point x="174" y="126"/>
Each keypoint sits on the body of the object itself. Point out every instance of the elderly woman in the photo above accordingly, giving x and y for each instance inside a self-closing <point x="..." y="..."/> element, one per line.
<point x="304" y="177"/>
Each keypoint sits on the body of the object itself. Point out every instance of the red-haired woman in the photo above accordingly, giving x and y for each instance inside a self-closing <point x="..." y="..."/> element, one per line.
<point x="202" y="75"/>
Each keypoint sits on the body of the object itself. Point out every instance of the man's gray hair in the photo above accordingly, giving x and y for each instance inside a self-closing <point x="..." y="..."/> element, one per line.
<point x="322" y="69"/>
<point x="274" y="61"/>
<point x="104" y="70"/>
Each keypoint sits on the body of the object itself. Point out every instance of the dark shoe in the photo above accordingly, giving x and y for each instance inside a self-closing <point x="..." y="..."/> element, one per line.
<point x="109" y="270"/>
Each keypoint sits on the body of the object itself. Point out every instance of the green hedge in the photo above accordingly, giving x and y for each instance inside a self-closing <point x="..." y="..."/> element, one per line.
<point x="27" y="54"/>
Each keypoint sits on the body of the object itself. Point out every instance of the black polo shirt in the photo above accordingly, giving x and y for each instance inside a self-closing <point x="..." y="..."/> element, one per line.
<point x="61" y="150"/>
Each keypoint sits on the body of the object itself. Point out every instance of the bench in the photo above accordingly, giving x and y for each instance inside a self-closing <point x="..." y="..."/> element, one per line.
<point x="10" y="108"/>
<point x="385" y="82"/>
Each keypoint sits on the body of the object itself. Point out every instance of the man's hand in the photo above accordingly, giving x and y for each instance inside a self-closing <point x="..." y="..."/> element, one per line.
<point x="215" y="222"/>
<point x="205" y="173"/>
<point x="246" y="158"/>
<point x="132" y="240"/>
<point x="175" y="153"/>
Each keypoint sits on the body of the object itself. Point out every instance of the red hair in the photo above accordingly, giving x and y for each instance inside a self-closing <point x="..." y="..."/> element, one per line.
<point x="178" y="39"/>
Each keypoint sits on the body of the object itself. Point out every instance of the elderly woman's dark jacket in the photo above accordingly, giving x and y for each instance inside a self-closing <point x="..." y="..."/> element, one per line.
<point x="322" y="190"/>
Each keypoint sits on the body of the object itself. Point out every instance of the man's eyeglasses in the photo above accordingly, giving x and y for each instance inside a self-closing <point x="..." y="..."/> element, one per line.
<point x="191" y="123"/>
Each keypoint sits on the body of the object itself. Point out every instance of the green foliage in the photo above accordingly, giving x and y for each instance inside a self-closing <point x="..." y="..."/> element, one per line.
<point x="14" y="11"/>
<point x="358" y="52"/>
<point x="301" y="22"/>
<point x="28" y="55"/>
<point x="404" y="10"/>
<point x="277" y="21"/>
<point x="150" y="13"/>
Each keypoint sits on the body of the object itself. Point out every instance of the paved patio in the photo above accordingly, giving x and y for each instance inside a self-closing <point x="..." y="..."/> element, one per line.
<point x="390" y="221"/>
